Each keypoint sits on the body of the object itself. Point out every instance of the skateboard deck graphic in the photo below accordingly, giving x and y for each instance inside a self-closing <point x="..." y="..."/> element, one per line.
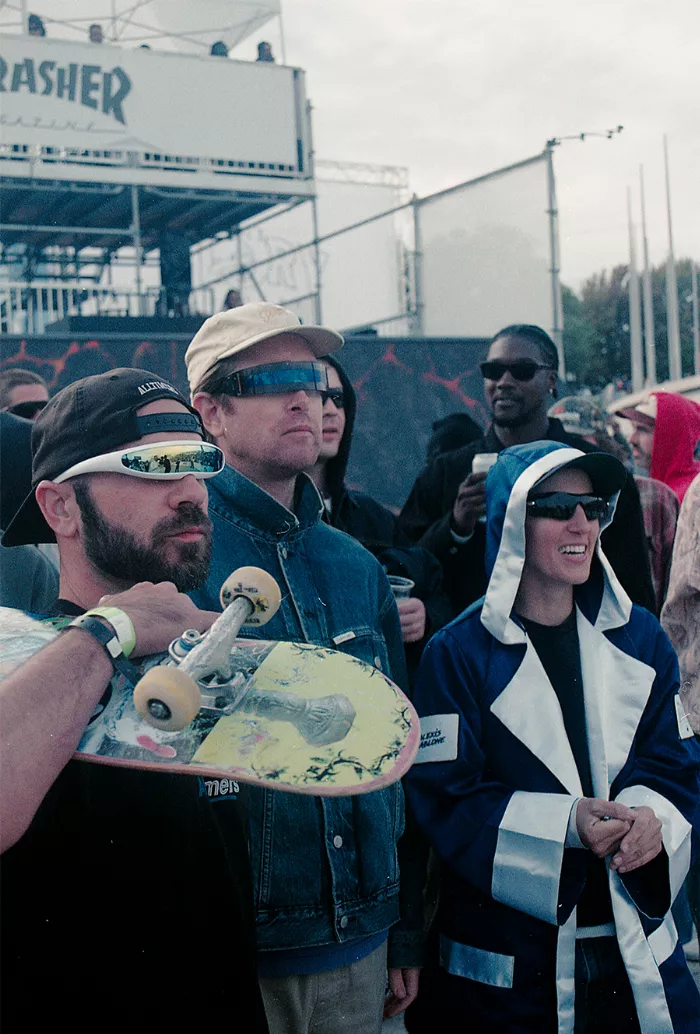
<point x="289" y="716"/>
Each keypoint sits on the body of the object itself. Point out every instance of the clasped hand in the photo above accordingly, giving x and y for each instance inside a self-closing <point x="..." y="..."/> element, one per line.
<point x="632" y="836"/>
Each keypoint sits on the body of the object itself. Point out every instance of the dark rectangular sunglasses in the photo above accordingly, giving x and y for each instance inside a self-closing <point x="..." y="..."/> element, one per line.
<point x="28" y="410"/>
<point x="561" y="506"/>
<point x="336" y="396"/>
<point x="520" y="370"/>
<point x="274" y="378"/>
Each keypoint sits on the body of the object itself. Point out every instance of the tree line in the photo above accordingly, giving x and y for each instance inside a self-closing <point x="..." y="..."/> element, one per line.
<point x="596" y="325"/>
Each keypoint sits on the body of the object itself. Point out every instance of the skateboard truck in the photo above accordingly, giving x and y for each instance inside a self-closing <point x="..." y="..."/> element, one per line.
<point x="169" y="697"/>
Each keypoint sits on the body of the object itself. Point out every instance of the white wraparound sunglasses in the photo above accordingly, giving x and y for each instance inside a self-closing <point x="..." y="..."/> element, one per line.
<point x="160" y="460"/>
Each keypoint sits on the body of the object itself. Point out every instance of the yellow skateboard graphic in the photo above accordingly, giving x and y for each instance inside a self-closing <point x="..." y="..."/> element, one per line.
<point x="284" y="715"/>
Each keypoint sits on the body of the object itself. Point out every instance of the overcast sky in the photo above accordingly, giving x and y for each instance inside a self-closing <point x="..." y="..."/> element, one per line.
<point x="453" y="89"/>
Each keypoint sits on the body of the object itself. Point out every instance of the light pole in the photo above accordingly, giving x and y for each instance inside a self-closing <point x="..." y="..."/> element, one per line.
<point x="649" y="336"/>
<point x="675" y="371"/>
<point x="635" y="306"/>
<point x="696" y="315"/>
<point x="553" y="213"/>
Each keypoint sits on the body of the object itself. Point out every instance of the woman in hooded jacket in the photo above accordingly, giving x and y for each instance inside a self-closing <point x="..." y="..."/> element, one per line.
<point x="557" y="777"/>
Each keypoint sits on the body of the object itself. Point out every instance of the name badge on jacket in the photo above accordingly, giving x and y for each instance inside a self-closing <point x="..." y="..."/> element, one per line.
<point x="438" y="738"/>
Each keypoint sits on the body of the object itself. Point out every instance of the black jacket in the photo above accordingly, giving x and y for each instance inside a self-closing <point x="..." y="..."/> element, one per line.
<point x="377" y="529"/>
<point x="15" y="465"/>
<point x="425" y="520"/>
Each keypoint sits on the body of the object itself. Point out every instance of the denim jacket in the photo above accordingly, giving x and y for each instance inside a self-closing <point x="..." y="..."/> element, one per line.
<point x="325" y="870"/>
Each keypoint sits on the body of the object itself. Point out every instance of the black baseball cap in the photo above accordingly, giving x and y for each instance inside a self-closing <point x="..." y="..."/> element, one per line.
<point x="607" y="474"/>
<point x="90" y="417"/>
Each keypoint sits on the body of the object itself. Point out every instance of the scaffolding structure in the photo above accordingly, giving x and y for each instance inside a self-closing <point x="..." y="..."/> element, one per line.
<point x="112" y="179"/>
<point x="105" y="161"/>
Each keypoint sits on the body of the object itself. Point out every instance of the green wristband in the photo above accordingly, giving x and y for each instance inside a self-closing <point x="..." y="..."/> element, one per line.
<point x="121" y="623"/>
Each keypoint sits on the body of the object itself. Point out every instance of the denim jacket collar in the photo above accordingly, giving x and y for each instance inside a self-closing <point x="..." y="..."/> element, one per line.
<point x="256" y="508"/>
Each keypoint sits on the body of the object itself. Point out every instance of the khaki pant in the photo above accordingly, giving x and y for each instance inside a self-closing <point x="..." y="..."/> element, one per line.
<point x="348" y="1000"/>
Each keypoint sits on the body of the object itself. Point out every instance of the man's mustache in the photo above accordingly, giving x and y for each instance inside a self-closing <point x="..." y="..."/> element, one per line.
<point x="188" y="516"/>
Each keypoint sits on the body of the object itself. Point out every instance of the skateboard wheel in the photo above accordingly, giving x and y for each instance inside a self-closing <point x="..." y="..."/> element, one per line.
<point x="255" y="585"/>
<point x="167" y="698"/>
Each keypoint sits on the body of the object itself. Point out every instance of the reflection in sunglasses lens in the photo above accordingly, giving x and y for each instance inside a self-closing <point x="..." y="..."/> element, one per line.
<point x="162" y="459"/>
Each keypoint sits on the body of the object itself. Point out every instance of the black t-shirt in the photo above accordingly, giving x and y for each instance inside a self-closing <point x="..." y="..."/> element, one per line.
<point x="127" y="905"/>
<point x="558" y="648"/>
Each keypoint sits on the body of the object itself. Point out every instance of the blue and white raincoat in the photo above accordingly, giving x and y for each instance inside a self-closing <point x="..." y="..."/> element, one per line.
<point x="495" y="782"/>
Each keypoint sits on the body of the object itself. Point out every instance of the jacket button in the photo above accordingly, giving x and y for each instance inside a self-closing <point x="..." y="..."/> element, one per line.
<point x="283" y="552"/>
<point x="337" y="841"/>
<point x="343" y="922"/>
<point x="378" y="663"/>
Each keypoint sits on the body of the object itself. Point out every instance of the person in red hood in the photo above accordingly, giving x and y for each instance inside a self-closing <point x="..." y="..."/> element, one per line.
<point x="665" y="437"/>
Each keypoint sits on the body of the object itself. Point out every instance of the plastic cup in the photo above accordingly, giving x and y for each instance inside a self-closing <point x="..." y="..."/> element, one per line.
<point x="483" y="461"/>
<point x="401" y="587"/>
<point x="481" y="464"/>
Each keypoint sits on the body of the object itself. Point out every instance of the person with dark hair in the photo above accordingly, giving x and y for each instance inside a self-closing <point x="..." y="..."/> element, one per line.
<point x="557" y="777"/>
<point x="22" y="392"/>
<point x="444" y="509"/>
<point x="265" y="52"/>
<point x="233" y="298"/>
<point x="28" y="579"/>
<point x="537" y="337"/>
<point x="427" y="608"/>
<point x="35" y="25"/>
<point x="95" y="34"/>
<point x="103" y="867"/>
<point x="219" y="49"/>
<point x="451" y="432"/>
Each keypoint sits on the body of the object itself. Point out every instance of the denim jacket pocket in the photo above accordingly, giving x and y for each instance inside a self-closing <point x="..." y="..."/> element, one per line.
<point x="364" y="643"/>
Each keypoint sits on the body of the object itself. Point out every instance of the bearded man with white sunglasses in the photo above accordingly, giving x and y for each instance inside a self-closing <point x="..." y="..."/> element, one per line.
<point x="105" y="870"/>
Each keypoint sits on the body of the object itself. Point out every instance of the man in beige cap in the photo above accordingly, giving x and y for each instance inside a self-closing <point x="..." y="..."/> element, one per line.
<point x="325" y="871"/>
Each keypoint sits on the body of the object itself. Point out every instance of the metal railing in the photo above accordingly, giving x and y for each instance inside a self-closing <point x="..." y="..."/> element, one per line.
<point x="31" y="308"/>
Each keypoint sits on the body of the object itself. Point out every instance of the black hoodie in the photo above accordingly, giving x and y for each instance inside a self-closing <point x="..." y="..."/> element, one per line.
<point x="376" y="528"/>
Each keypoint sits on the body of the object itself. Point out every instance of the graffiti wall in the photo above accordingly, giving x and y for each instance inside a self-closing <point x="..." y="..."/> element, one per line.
<point x="403" y="386"/>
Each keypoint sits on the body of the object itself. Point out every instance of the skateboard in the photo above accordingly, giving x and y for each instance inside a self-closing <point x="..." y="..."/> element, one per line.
<point x="282" y="715"/>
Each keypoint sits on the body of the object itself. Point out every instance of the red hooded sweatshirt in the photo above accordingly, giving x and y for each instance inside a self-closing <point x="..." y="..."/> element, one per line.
<point x="676" y="435"/>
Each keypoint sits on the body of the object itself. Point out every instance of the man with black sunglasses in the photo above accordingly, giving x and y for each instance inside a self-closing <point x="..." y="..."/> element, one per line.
<point x="105" y="871"/>
<point x="445" y="508"/>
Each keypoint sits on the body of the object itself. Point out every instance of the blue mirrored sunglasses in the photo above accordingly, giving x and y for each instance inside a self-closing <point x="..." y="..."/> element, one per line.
<point x="274" y="378"/>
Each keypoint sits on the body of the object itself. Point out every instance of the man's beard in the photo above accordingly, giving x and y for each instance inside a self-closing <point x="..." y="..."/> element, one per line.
<point x="511" y="421"/>
<point x="118" y="554"/>
<point x="522" y="416"/>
